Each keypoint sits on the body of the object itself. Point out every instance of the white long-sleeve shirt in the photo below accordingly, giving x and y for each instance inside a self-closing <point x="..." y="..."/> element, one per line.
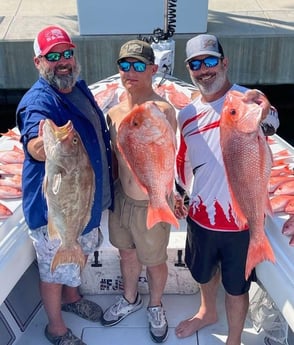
<point x="200" y="162"/>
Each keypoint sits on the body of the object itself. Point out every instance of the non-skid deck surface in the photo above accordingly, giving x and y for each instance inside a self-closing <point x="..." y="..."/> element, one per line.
<point x="134" y="329"/>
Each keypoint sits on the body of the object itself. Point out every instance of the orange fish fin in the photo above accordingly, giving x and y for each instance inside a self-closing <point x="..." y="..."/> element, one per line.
<point x="258" y="252"/>
<point x="240" y="219"/>
<point x="52" y="231"/>
<point x="65" y="256"/>
<point x="164" y="214"/>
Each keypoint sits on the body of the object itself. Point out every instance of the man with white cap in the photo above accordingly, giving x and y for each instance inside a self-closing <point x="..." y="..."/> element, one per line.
<point x="216" y="247"/>
<point x="60" y="96"/>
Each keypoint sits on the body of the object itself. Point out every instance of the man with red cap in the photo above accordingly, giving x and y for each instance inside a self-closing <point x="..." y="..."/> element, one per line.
<point x="60" y="96"/>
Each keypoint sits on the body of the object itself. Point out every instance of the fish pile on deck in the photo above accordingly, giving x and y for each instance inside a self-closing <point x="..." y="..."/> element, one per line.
<point x="281" y="189"/>
<point x="110" y="92"/>
<point x="11" y="163"/>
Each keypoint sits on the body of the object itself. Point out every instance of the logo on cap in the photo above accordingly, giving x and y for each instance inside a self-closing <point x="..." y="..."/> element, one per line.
<point x="139" y="50"/>
<point x="55" y="34"/>
<point x="209" y="44"/>
<point x="134" y="48"/>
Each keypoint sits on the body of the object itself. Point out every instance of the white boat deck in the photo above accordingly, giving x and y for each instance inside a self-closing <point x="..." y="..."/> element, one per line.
<point x="134" y="328"/>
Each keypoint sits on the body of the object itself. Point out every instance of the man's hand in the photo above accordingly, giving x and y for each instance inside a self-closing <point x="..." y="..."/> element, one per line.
<point x="180" y="210"/>
<point x="259" y="98"/>
<point x="36" y="145"/>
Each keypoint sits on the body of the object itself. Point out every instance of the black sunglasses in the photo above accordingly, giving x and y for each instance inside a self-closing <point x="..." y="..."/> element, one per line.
<point x="138" y="66"/>
<point x="210" y="61"/>
<point x="56" y="56"/>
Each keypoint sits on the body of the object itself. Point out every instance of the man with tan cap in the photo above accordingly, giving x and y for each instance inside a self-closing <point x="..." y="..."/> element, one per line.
<point x="59" y="95"/>
<point x="216" y="247"/>
<point x="127" y="223"/>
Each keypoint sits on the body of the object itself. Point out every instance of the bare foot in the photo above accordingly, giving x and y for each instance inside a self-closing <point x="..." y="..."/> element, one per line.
<point x="188" y="327"/>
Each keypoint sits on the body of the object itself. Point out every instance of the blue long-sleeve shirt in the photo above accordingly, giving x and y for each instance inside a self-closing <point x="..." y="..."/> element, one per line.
<point x="43" y="101"/>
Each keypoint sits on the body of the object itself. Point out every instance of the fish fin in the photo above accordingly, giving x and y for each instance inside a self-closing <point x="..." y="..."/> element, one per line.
<point x="161" y="214"/>
<point x="56" y="183"/>
<point x="239" y="216"/>
<point x="64" y="255"/>
<point x="52" y="231"/>
<point x="258" y="252"/>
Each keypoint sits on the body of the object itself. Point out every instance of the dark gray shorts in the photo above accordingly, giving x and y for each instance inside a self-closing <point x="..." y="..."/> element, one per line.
<point x="208" y="250"/>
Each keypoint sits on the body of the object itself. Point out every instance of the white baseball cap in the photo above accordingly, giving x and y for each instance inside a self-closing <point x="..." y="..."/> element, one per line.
<point x="203" y="45"/>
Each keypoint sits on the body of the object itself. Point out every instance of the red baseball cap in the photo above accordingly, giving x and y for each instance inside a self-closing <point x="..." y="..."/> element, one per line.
<point x="50" y="37"/>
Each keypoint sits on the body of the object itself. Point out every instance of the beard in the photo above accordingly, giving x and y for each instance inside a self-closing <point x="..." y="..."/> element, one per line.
<point x="61" y="82"/>
<point x="210" y="88"/>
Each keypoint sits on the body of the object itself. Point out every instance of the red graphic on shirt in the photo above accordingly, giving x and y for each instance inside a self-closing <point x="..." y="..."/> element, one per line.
<point x="199" y="214"/>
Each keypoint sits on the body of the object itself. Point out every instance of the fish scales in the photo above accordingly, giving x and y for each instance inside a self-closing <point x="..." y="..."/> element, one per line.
<point x="69" y="186"/>
<point x="147" y="142"/>
<point x="248" y="160"/>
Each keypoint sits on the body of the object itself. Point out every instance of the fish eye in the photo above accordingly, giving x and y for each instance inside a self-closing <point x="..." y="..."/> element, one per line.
<point x="75" y="141"/>
<point x="233" y="112"/>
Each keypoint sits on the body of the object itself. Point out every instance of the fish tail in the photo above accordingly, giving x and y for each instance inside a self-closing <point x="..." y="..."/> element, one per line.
<point x="163" y="214"/>
<point x="68" y="256"/>
<point x="258" y="252"/>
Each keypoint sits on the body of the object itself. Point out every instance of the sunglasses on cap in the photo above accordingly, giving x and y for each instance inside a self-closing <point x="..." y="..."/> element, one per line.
<point x="56" y="56"/>
<point x="210" y="61"/>
<point x="138" y="66"/>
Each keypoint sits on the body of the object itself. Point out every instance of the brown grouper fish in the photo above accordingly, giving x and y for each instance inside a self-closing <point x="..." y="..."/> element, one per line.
<point x="148" y="143"/>
<point x="69" y="186"/>
<point x="248" y="160"/>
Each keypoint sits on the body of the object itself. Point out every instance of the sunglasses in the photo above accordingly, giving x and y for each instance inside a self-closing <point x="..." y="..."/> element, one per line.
<point x="138" y="66"/>
<point x="210" y="61"/>
<point x="56" y="56"/>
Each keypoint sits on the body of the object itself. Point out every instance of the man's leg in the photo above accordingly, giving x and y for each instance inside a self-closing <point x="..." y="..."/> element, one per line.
<point x="157" y="277"/>
<point x="236" y="308"/>
<point x="51" y="298"/>
<point x="207" y="313"/>
<point x="130" y="269"/>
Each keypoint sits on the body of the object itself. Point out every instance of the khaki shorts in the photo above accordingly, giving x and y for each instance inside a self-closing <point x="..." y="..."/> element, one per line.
<point x="127" y="229"/>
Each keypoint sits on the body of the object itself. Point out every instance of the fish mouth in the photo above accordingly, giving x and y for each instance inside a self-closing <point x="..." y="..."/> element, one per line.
<point x="60" y="133"/>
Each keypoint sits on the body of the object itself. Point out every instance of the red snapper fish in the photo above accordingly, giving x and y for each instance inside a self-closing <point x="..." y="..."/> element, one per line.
<point x="69" y="186"/>
<point x="288" y="229"/>
<point x="15" y="155"/>
<point x="11" y="134"/>
<point x="147" y="141"/>
<point x="8" y="192"/>
<point x="5" y="212"/>
<point x="248" y="160"/>
<point x="11" y="169"/>
<point x="11" y="181"/>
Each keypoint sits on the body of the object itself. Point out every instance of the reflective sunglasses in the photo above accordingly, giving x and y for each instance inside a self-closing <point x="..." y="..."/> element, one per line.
<point x="210" y="61"/>
<point x="138" y="66"/>
<point x="56" y="56"/>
